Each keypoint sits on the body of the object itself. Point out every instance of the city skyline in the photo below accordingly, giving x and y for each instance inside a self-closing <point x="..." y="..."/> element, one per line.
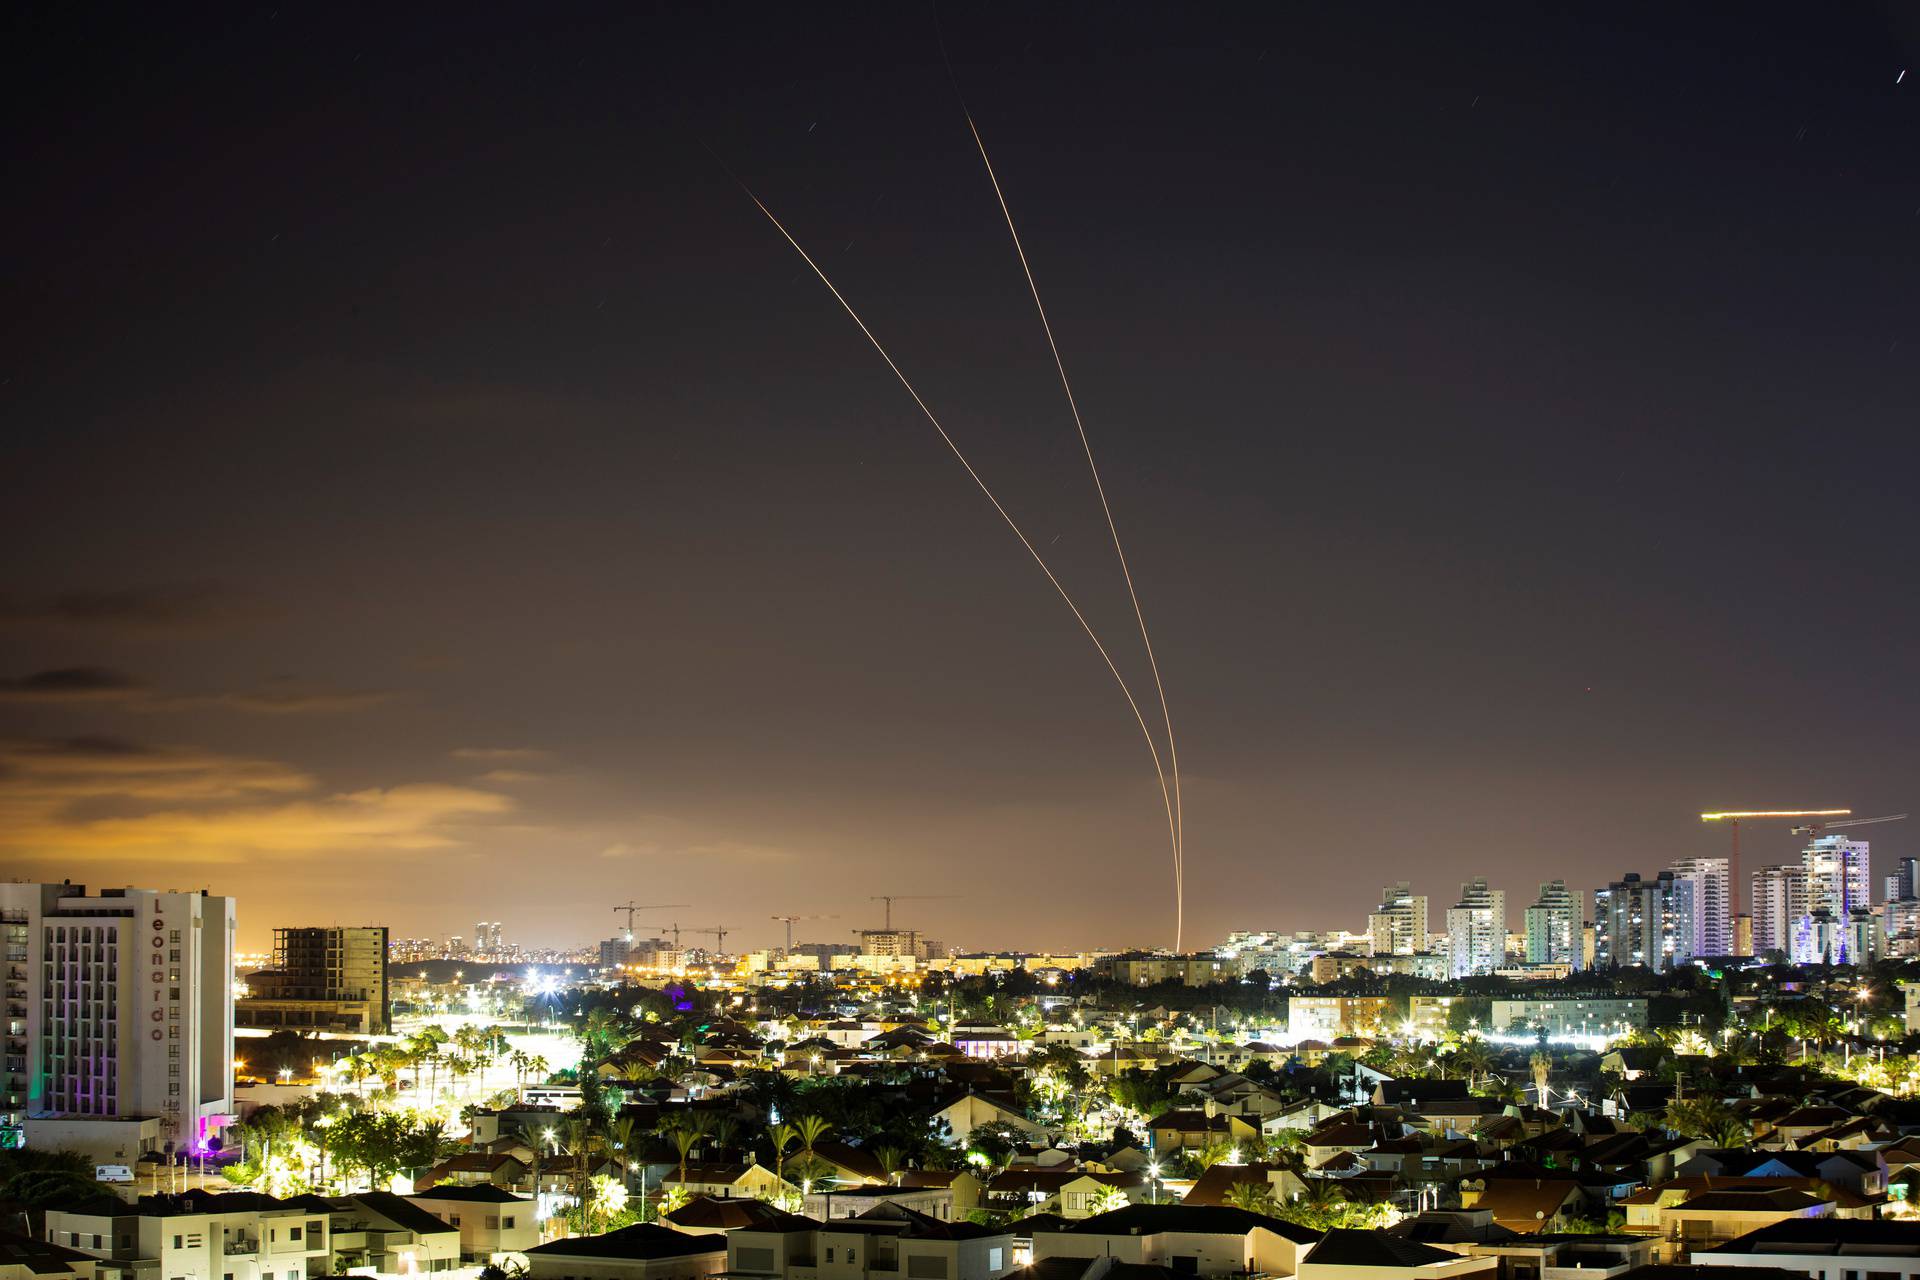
<point x="439" y="474"/>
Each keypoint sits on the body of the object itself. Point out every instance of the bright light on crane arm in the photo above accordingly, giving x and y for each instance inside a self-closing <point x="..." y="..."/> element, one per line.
<point x="1777" y="813"/>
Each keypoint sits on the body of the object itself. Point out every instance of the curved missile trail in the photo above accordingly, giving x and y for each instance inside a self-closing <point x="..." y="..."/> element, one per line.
<point x="1173" y="752"/>
<point x="981" y="484"/>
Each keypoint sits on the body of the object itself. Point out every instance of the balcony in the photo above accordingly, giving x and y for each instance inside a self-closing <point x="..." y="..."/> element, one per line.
<point x="239" y="1245"/>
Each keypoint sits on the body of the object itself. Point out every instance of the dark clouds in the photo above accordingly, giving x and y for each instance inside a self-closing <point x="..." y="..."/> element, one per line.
<point x="135" y="609"/>
<point x="102" y="684"/>
<point x="69" y="684"/>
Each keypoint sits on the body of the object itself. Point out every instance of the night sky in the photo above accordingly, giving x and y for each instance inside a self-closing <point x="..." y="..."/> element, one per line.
<point x="433" y="492"/>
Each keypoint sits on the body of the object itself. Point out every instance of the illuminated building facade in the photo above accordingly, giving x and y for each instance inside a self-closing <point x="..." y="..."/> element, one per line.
<point x="1779" y="898"/>
<point x="1553" y="926"/>
<point x="1710" y="925"/>
<point x="1399" y="926"/>
<point x="120" y="1012"/>
<point x="1641" y="922"/>
<point x="1477" y="930"/>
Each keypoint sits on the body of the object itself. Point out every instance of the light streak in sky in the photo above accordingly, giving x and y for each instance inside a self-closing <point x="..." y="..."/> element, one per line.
<point x="1126" y="692"/>
<point x="1153" y="663"/>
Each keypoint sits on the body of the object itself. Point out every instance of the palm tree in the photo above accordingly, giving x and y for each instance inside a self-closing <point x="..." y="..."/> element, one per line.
<point x="1542" y="1065"/>
<point x="1474" y="1055"/>
<point x="810" y="1129"/>
<point x="1254" y="1197"/>
<point x="684" y="1140"/>
<point x="724" y="1129"/>
<point x="536" y="1139"/>
<point x="620" y="1135"/>
<point x="1213" y="1153"/>
<point x="782" y="1136"/>
<point x="582" y="1140"/>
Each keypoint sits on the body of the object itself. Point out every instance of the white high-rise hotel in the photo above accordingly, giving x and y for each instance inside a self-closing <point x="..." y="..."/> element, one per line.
<point x="119" y="1017"/>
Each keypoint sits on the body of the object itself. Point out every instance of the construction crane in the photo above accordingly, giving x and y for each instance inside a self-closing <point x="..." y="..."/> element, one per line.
<point x="789" y="921"/>
<point x="632" y="907"/>
<point x="1734" y="817"/>
<point x="891" y="898"/>
<point x="719" y="933"/>
<point x="1845" y="824"/>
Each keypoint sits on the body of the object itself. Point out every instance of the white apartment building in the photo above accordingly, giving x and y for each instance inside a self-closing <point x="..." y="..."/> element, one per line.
<point x="1553" y="926"/>
<point x="1779" y="898"/>
<point x="1477" y="930"/>
<point x="1710" y="929"/>
<point x="1838" y="884"/>
<point x="1399" y="926"/>
<point x="119" y="1018"/>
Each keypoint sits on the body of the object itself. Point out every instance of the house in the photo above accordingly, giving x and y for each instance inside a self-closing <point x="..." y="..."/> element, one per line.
<point x="730" y="1181"/>
<point x="1454" y="1229"/>
<point x="1203" y="1240"/>
<point x="1195" y="1130"/>
<point x="24" y="1258"/>
<point x="1824" y="1249"/>
<point x="704" y="1214"/>
<point x="1071" y="1192"/>
<point x="887" y="1239"/>
<point x="1550" y="1256"/>
<point x="1861" y="1171"/>
<point x="848" y="1034"/>
<point x="1524" y="1205"/>
<point x="494" y="1225"/>
<point x="642" y="1251"/>
<point x="199" y="1235"/>
<point x="384" y="1231"/>
<point x="1215" y="1184"/>
<point x="988" y="1042"/>
<point x="480" y="1168"/>
<point x="1804" y="1122"/>
<point x="1375" y="1255"/>
<point x="1660" y="1210"/>
<point x="1708" y="1218"/>
<point x="832" y="1203"/>
<point x="1342" y="1137"/>
<point x="849" y="1164"/>
<point x="970" y="1110"/>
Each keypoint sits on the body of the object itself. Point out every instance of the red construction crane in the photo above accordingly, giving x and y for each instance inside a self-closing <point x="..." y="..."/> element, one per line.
<point x="1734" y="817"/>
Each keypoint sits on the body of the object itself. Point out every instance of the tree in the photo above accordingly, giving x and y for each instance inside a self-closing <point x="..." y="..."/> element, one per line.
<point x="1475" y="1056"/>
<point x="1110" y="1199"/>
<point x="684" y="1140"/>
<point x="1707" y="1118"/>
<point x="810" y="1129"/>
<point x="782" y="1136"/>
<point x="40" y="1180"/>
<point x="620" y="1137"/>
<point x="1213" y="1153"/>
<point x="536" y="1138"/>
<point x="1254" y="1197"/>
